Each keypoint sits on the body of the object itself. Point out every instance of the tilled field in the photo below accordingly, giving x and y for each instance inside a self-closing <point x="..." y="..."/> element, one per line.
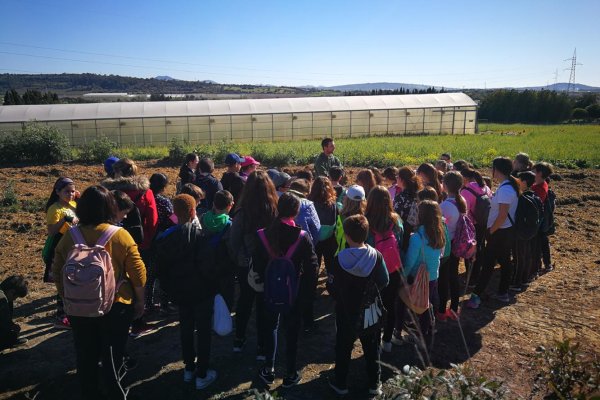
<point x="501" y="340"/>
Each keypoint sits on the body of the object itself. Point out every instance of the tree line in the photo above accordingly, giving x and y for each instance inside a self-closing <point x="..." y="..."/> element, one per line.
<point x="12" y="97"/>
<point x="380" y="92"/>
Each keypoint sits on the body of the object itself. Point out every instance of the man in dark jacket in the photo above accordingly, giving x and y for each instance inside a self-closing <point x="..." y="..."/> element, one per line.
<point x="206" y="181"/>
<point x="11" y="288"/>
<point x="354" y="269"/>
<point x="186" y="270"/>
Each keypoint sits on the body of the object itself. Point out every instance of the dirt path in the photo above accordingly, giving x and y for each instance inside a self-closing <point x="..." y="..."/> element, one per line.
<point x="501" y="340"/>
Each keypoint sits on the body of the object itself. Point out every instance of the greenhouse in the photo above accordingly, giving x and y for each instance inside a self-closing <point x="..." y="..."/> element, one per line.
<point x="282" y="119"/>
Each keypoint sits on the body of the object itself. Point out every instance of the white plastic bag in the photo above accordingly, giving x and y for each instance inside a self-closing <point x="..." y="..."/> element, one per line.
<point x="222" y="322"/>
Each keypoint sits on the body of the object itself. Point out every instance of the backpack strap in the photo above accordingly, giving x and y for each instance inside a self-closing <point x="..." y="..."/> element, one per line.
<point x="474" y="193"/>
<point x="106" y="235"/>
<point x="76" y="235"/>
<point x="265" y="242"/>
<point x="294" y="246"/>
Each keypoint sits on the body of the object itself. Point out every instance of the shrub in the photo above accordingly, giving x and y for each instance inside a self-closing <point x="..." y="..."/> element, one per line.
<point x="9" y="198"/>
<point x="36" y="143"/>
<point x="177" y="151"/>
<point x="593" y="110"/>
<point x="97" y="150"/>
<point x="566" y="373"/>
<point x="579" y="113"/>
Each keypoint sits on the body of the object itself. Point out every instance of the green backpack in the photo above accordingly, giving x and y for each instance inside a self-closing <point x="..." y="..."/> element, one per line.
<point x="339" y="235"/>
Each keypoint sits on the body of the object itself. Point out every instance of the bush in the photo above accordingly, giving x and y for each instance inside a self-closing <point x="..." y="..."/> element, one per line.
<point x="36" y="143"/>
<point x="579" y="113"/>
<point x="97" y="150"/>
<point x="9" y="198"/>
<point x="177" y="151"/>
<point x="593" y="110"/>
<point x="567" y="374"/>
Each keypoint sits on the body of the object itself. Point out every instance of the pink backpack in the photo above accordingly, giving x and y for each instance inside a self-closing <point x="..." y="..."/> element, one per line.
<point x="88" y="277"/>
<point x="387" y="245"/>
<point x="464" y="244"/>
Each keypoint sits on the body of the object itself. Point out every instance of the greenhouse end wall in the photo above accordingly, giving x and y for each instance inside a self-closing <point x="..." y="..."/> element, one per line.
<point x="160" y="131"/>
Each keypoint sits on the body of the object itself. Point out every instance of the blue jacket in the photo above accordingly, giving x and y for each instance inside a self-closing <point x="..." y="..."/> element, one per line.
<point x="412" y="258"/>
<point x="308" y="220"/>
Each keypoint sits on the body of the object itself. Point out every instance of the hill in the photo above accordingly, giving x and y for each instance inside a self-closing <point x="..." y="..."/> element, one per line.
<point x="379" y="86"/>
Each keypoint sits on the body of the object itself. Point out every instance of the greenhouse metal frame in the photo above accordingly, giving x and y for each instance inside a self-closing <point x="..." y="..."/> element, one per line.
<point x="283" y="119"/>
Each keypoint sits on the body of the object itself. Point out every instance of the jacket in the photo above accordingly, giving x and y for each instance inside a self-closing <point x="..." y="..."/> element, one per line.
<point x="186" y="174"/>
<point x="186" y="267"/>
<point x="233" y="182"/>
<point x="308" y="219"/>
<point x="241" y="240"/>
<point x="138" y="189"/>
<point x="324" y="162"/>
<point x="210" y="185"/>
<point x="217" y="229"/>
<point x="352" y="269"/>
<point x="412" y="258"/>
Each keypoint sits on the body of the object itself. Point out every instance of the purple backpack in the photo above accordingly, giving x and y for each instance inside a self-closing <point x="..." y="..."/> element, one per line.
<point x="281" y="279"/>
<point x="464" y="244"/>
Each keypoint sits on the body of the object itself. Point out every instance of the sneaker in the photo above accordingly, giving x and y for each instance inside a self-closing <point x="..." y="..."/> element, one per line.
<point x="140" y="329"/>
<point x="292" y="380"/>
<point x="376" y="391"/>
<point x="238" y="345"/>
<point x="503" y="298"/>
<point x="211" y="376"/>
<point x="267" y="375"/>
<point x="386" y="347"/>
<point x="453" y="315"/>
<point x="188" y="375"/>
<point x="340" y="390"/>
<point x="474" y="301"/>
<point x="62" y="323"/>
<point x="442" y="317"/>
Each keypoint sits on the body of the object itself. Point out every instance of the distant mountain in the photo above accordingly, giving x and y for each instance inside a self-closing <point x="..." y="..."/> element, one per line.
<point x="164" y="78"/>
<point x="563" y="87"/>
<point x="378" y="86"/>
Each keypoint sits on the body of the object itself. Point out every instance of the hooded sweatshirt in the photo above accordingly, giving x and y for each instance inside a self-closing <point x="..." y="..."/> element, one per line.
<point x="352" y="269"/>
<point x="210" y="185"/>
<point x="138" y="189"/>
<point x="214" y="223"/>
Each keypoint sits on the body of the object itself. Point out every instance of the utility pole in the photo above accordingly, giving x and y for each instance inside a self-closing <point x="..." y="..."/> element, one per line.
<point x="574" y="64"/>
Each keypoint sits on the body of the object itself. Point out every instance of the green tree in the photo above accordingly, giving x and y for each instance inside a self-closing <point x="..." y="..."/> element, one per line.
<point x="579" y="113"/>
<point x="12" y="97"/>
<point x="593" y="111"/>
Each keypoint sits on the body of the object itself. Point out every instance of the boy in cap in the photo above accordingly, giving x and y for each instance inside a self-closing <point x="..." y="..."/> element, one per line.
<point x="108" y="166"/>
<point x="231" y="179"/>
<point x="248" y="166"/>
<point x="281" y="180"/>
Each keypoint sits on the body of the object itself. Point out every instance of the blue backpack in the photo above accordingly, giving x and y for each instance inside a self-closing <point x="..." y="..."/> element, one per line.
<point x="281" y="279"/>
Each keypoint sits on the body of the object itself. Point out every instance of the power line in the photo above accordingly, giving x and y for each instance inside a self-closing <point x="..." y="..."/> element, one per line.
<point x="574" y="64"/>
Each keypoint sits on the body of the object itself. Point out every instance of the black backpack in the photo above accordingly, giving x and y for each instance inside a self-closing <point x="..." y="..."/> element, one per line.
<point x="372" y="312"/>
<point x="483" y="204"/>
<point x="548" y="227"/>
<point x="133" y="222"/>
<point x="527" y="217"/>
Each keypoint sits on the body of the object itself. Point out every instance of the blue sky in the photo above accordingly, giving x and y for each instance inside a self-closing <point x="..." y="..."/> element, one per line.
<point x="450" y="43"/>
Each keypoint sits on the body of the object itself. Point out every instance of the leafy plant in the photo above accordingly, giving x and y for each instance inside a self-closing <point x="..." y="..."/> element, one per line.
<point x="567" y="374"/>
<point x="177" y="151"/>
<point x="9" y="198"/>
<point x="97" y="150"/>
<point x="36" y="143"/>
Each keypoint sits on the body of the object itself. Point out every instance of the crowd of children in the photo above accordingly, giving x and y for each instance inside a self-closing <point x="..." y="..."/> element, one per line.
<point x="266" y="233"/>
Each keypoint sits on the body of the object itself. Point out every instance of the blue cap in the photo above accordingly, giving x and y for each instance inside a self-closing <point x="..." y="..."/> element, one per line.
<point x="233" y="158"/>
<point x="108" y="164"/>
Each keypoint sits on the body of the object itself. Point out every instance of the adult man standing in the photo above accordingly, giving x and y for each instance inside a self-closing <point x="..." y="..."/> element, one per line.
<point x="326" y="159"/>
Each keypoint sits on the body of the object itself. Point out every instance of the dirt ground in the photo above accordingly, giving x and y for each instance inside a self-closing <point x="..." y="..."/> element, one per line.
<point x="501" y="339"/>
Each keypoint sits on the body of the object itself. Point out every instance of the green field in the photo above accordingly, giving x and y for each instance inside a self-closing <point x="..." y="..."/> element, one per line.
<point x="570" y="146"/>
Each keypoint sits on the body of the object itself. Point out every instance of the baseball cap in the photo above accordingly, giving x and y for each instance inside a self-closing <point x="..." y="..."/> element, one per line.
<point x="248" y="160"/>
<point x="279" y="178"/>
<point x="108" y="164"/>
<point x="233" y="158"/>
<point x="356" y="192"/>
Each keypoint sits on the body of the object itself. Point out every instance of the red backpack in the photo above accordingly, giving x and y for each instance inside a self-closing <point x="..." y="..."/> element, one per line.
<point x="387" y="245"/>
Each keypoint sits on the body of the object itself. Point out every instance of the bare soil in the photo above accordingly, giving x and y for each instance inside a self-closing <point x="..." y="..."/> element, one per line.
<point x="501" y="339"/>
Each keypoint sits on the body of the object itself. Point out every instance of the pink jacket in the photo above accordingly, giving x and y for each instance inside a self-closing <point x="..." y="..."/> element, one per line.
<point x="471" y="199"/>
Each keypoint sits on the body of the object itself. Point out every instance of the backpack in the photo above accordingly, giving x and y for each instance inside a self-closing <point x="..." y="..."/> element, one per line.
<point x="416" y="295"/>
<point x="327" y="231"/>
<point x="387" y="245"/>
<point x="527" y="217"/>
<point x="88" y="277"/>
<point x="483" y="204"/>
<point x="372" y="312"/>
<point x="340" y="237"/>
<point x="281" y="279"/>
<point x="548" y="227"/>
<point x="464" y="244"/>
<point x="133" y="222"/>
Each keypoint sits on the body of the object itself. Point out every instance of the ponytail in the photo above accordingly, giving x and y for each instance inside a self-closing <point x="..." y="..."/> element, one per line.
<point x="453" y="181"/>
<point x="473" y="175"/>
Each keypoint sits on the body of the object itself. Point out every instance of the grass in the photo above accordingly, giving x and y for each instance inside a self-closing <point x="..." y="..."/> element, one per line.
<point x="569" y="146"/>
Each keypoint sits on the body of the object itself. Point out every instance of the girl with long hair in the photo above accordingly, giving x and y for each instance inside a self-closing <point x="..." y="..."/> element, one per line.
<point x="366" y="179"/>
<point x="257" y="209"/>
<point x="500" y="233"/>
<point x="405" y="203"/>
<point x="323" y="195"/>
<point x="386" y="235"/>
<point x="430" y="177"/>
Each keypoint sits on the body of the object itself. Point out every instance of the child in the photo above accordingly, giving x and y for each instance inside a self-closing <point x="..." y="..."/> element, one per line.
<point x="247" y="167"/>
<point x="354" y="203"/>
<point x="206" y="181"/>
<point x="355" y="269"/>
<point x="542" y="172"/>
<point x="187" y="172"/>
<point x="215" y="224"/>
<point x="158" y="183"/>
<point x="429" y="176"/>
<point x="284" y="238"/>
<point x="108" y="166"/>
<point x="366" y="179"/>
<point x="386" y="235"/>
<point x="11" y="288"/>
<point x="231" y="179"/>
<point x="441" y="166"/>
<point x="60" y="216"/>
<point x="336" y="174"/>
<point x="447" y="158"/>
<point x="426" y="245"/>
<point x="124" y="206"/>
<point x="405" y="202"/>
<point x="187" y="272"/>
<point x="197" y="194"/>
<point x="323" y="196"/>
<point x="281" y="181"/>
<point x="521" y="163"/>
<point x="390" y="174"/>
<point x="525" y="267"/>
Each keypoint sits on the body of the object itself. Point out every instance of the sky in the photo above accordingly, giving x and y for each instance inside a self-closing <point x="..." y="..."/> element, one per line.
<point x="456" y="44"/>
